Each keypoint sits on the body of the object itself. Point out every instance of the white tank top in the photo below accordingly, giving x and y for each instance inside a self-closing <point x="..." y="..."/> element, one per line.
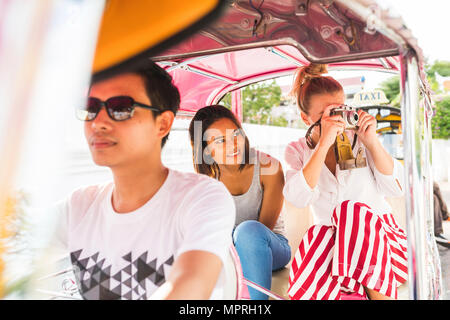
<point x="248" y="205"/>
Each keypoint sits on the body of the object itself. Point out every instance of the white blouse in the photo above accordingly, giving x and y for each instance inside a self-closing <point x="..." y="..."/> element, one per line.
<point x="366" y="185"/>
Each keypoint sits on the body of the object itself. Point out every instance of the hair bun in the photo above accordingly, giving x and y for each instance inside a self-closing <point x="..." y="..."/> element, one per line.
<point x="315" y="70"/>
<point x="306" y="73"/>
<point x="309" y="80"/>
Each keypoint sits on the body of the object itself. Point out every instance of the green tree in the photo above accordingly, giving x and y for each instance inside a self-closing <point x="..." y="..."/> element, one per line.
<point x="258" y="99"/>
<point x="440" y="67"/>
<point x="440" y="123"/>
<point x="226" y="101"/>
<point x="279" y="121"/>
<point x="391" y="88"/>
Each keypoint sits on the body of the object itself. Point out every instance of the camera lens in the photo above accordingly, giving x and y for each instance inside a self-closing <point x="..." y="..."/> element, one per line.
<point x="352" y="118"/>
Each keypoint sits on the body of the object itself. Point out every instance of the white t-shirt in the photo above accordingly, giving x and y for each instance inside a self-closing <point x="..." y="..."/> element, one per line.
<point x="366" y="185"/>
<point x="128" y="256"/>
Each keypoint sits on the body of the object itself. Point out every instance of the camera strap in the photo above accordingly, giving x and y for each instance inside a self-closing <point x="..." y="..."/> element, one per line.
<point x="343" y="149"/>
<point x="309" y="141"/>
<point x="344" y="153"/>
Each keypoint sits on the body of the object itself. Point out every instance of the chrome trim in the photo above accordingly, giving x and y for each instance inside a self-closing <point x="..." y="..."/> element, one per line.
<point x="225" y="50"/>
<point x="55" y="274"/>
<point x="185" y="62"/>
<point x="263" y="290"/>
<point x="436" y="289"/>
<point x="333" y="13"/>
<point x="365" y="68"/>
<point x="384" y="63"/>
<point x="425" y="281"/>
<point x="283" y="41"/>
<point x="409" y="88"/>
<point x="188" y="114"/>
<point x="285" y="56"/>
<point x="209" y="74"/>
<point x="185" y="66"/>
<point x="56" y="294"/>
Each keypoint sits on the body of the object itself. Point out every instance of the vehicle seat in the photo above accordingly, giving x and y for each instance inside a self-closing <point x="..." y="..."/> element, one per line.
<point x="398" y="206"/>
<point x="297" y="222"/>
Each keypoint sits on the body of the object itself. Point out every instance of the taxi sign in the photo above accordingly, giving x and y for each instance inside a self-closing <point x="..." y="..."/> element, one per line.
<point x="368" y="98"/>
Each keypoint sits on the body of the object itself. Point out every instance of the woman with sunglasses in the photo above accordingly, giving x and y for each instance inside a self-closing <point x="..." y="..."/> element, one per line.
<point x="222" y="151"/>
<point x="355" y="244"/>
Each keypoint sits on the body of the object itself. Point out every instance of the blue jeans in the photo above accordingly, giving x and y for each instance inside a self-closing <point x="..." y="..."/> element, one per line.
<point x="261" y="251"/>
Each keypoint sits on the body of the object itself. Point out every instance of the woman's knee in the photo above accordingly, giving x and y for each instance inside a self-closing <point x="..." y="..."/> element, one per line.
<point x="349" y="207"/>
<point x="249" y="231"/>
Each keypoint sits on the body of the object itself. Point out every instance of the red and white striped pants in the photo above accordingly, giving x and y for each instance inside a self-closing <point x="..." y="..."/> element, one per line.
<point x="359" y="249"/>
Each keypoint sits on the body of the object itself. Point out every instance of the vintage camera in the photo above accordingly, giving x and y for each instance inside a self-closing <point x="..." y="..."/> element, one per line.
<point x="343" y="148"/>
<point x="349" y="114"/>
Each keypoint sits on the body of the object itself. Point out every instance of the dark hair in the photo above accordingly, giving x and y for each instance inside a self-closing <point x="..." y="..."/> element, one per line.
<point x="207" y="116"/>
<point x="159" y="87"/>
<point x="309" y="81"/>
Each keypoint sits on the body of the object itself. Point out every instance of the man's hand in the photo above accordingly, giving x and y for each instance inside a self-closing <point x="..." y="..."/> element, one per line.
<point x="192" y="277"/>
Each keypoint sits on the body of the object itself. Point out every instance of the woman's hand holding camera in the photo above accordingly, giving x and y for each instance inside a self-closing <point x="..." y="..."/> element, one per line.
<point x="331" y="127"/>
<point x="367" y="129"/>
<point x="334" y="125"/>
<point x="367" y="133"/>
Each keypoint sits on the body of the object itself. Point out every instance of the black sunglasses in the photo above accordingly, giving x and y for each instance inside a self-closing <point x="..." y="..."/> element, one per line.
<point x="119" y="108"/>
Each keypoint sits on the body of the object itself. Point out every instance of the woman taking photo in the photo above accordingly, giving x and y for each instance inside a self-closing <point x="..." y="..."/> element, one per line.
<point x="355" y="245"/>
<point x="255" y="180"/>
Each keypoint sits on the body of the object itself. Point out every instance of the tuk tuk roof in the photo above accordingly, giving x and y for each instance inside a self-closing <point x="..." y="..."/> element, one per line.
<point x="258" y="40"/>
<point x="203" y="80"/>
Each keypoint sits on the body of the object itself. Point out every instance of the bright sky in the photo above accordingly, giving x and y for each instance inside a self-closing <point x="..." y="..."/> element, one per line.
<point x="429" y="23"/>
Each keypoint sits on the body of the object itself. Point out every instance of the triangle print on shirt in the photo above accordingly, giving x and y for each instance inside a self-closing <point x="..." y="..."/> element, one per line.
<point x="97" y="282"/>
